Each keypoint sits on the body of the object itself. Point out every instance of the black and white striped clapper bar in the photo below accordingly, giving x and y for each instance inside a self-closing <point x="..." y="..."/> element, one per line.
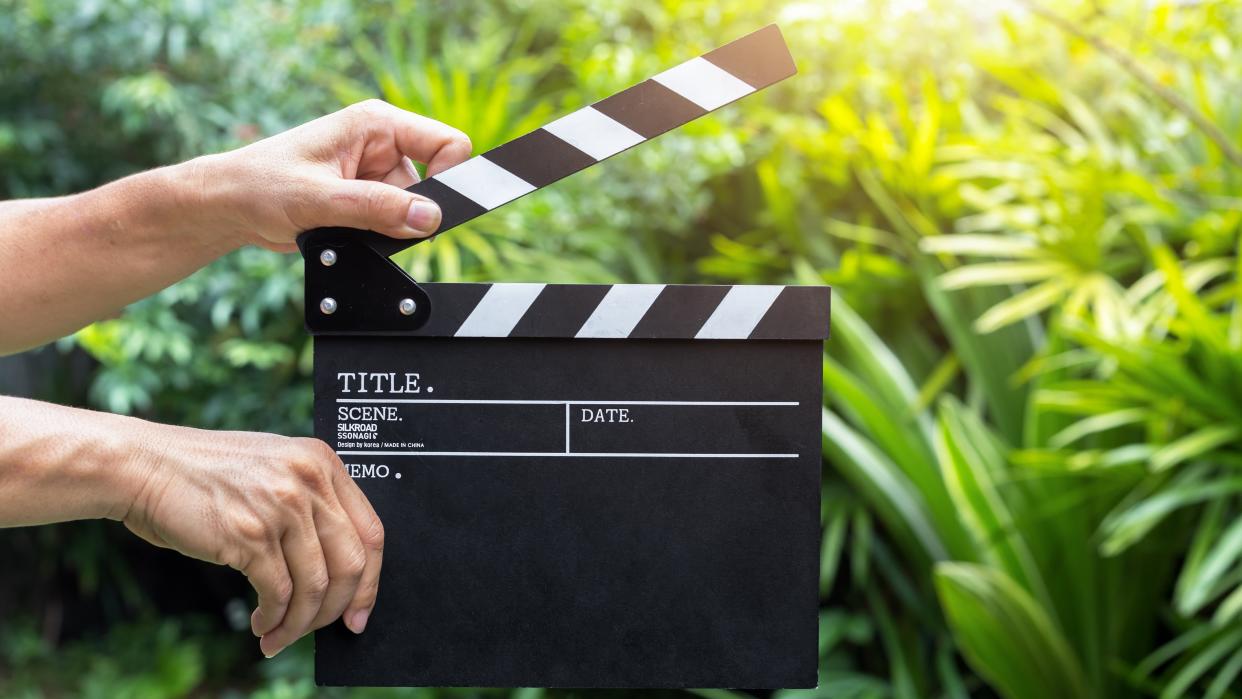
<point x="581" y="485"/>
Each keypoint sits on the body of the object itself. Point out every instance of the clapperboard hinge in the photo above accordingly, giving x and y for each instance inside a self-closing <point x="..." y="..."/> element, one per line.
<point x="352" y="287"/>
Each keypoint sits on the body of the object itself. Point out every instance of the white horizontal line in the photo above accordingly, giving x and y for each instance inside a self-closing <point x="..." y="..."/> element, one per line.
<point x="563" y="454"/>
<point x="569" y="402"/>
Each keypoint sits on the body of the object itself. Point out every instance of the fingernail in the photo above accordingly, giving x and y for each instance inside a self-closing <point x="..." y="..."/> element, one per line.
<point x="357" y="621"/>
<point x="423" y="216"/>
<point x="409" y="168"/>
<point x="266" y="652"/>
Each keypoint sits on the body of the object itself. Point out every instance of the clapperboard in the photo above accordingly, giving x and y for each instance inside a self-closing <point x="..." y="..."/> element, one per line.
<point x="581" y="485"/>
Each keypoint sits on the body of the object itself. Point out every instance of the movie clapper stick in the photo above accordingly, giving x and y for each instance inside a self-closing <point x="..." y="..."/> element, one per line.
<point x="352" y="286"/>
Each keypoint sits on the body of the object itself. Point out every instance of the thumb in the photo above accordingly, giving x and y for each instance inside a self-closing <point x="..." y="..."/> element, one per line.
<point x="380" y="207"/>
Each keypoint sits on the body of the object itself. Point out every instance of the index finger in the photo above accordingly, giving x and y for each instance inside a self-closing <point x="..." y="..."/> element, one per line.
<point x="426" y="140"/>
<point x="269" y="575"/>
<point x="371" y="533"/>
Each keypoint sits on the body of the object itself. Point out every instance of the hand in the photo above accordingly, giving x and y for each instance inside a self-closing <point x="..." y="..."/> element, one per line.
<point x="103" y="249"/>
<point x="348" y="168"/>
<point x="280" y="510"/>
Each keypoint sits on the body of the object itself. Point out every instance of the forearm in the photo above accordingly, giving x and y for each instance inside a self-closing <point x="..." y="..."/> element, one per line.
<point x="68" y="261"/>
<point x="59" y="464"/>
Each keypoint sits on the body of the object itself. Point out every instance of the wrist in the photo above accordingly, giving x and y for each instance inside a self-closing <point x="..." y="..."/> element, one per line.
<point x="59" y="463"/>
<point x="185" y="205"/>
<point x="206" y="194"/>
<point x="121" y="465"/>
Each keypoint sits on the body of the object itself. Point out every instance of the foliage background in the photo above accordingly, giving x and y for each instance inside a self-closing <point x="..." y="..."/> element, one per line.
<point x="1030" y="214"/>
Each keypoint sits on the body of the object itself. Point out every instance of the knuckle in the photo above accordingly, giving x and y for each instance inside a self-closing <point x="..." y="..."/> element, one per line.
<point x="367" y="107"/>
<point x="316" y="585"/>
<point x="316" y="481"/>
<point x="251" y="528"/>
<point x="375" y="203"/>
<point x="372" y="534"/>
<point x="343" y="199"/>
<point x="289" y="495"/>
<point x="234" y="558"/>
<point x="283" y="591"/>
<point x="385" y="206"/>
<point x="315" y="450"/>
<point x="312" y="463"/>
<point x="354" y="564"/>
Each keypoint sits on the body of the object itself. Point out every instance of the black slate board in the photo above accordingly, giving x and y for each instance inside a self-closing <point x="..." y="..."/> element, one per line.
<point x="650" y="555"/>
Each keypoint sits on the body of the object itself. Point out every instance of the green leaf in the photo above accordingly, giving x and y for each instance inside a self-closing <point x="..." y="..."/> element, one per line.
<point x="970" y="464"/>
<point x="831" y="549"/>
<point x="1194" y="445"/>
<point x="1096" y="423"/>
<point x="1229" y="608"/>
<point x="980" y="246"/>
<point x="866" y="354"/>
<point x="938" y="381"/>
<point x="1205" y="578"/>
<point x="1225" y="678"/>
<point x="898" y="436"/>
<point x="989" y="361"/>
<point x="1199" y="663"/>
<point x="1023" y="305"/>
<point x="885" y="486"/>
<point x="1130" y="521"/>
<point x="1006" y="636"/>
<point x="998" y="273"/>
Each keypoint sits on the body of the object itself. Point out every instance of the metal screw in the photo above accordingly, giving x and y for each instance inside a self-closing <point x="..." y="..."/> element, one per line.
<point x="328" y="306"/>
<point x="407" y="307"/>
<point x="328" y="257"/>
